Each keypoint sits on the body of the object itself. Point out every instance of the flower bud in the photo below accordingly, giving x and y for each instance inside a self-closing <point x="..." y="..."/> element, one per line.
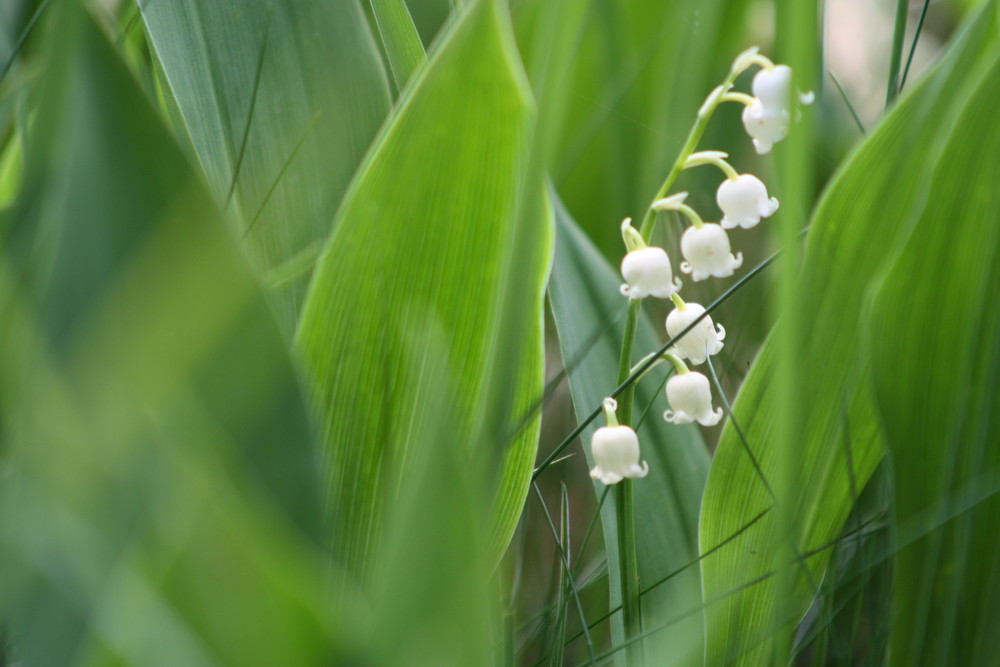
<point x="647" y="272"/>
<point x="690" y="398"/>
<point x="704" y="339"/>
<point x="616" y="452"/>
<point x="708" y="253"/>
<point x="744" y="202"/>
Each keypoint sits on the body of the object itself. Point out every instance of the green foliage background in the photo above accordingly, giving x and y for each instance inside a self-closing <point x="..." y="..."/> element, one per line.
<point x="301" y="300"/>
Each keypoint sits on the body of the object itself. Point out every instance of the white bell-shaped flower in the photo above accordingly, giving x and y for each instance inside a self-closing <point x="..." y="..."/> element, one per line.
<point x="744" y="202"/>
<point x="704" y="339"/>
<point x="764" y="126"/>
<point x="708" y="253"/>
<point x="772" y="88"/>
<point x="769" y="112"/>
<point x="647" y="272"/>
<point x="616" y="452"/>
<point x="690" y="398"/>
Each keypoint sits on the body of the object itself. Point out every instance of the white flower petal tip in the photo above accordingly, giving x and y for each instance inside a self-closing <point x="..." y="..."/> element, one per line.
<point x="690" y="399"/>
<point x="678" y="417"/>
<point x="711" y="419"/>
<point x="807" y="98"/>
<point x="707" y="252"/>
<point x="647" y="272"/>
<point x="669" y="203"/>
<point x="744" y="202"/>
<point x="607" y="478"/>
<point x="616" y="452"/>
<point x="703" y="340"/>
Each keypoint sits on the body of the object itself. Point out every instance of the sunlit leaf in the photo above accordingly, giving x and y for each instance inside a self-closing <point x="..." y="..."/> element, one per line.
<point x="423" y="246"/>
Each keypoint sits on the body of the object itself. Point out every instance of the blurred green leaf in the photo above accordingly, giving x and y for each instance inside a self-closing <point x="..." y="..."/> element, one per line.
<point x="429" y="16"/>
<point x="12" y="122"/>
<point x="424" y="242"/>
<point x="281" y="101"/>
<point x="160" y="499"/>
<point x="583" y="293"/>
<point x="399" y="39"/>
<point x="863" y="219"/>
<point x="15" y="18"/>
<point x="434" y="600"/>
<point x="854" y="608"/>
<point x="641" y="70"/>
<point x="935" y="336"/>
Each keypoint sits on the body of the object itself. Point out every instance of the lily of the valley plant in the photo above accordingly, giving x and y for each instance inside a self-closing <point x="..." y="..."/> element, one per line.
<point x="707" y="253"/>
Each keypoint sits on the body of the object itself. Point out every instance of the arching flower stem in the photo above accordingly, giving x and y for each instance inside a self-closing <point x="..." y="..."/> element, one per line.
<point x="678" y="301"/>
<point x="691" y="214"/>
<point x="676" y="203"/>
<point x="610" y="406"/>
<point x="649" y="218"/>
<point x="762" y="61"/>
<point x="742" y="98"/>
<point x="677" y="362"/>
<point x="717" y="158"/>
<point x="679" y="366"/>
<point x="695" y="134"/>
<point x="632" y="238"/>
<point x="749" y="58"/>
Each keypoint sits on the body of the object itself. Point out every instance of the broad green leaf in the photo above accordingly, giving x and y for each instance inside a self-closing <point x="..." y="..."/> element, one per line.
<point x="865" y="216"/>
<point x="423" y="249"/>
<point x="936" y="355"/>
<point x="281" y="100"/>
<point x="160" y="497"/>
<point x="584" y="296"/>
<point x="399" y="39"/>
<point x="434" y="600"/>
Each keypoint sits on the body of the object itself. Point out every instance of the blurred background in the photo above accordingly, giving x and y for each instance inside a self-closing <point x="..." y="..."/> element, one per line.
<point x="639" y="73"/>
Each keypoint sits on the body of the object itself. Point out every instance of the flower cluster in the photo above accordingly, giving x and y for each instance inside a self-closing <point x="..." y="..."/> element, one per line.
<point x="706" y="251"/>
